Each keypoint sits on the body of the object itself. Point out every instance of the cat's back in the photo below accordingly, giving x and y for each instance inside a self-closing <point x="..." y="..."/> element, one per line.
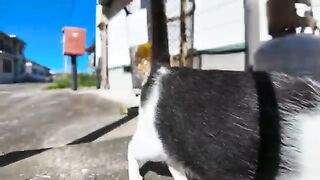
<point x="210" y="122"/>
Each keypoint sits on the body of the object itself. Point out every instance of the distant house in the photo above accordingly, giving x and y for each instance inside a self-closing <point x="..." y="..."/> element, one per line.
<point x="35" y="72"/>
<point x="12" y="61"/>
<point x="14" y="67"/>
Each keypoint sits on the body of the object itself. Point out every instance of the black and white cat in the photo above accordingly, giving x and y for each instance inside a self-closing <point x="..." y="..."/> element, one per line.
<point x="224" y="125"/>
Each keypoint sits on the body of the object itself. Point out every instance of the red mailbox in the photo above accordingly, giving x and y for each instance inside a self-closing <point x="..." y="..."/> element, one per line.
<point x="74" y="41"/>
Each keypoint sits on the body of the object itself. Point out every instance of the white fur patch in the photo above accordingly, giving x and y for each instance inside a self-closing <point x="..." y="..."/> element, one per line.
<point x="177" y="175"/>
<point x="163" y="71"/>
<point x="301" y="155"/>
<point x="310" y="146"/>
<point x="145" y="144"/>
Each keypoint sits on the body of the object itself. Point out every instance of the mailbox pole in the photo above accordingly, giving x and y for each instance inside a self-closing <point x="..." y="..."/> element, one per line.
<point x="74" y="83"/>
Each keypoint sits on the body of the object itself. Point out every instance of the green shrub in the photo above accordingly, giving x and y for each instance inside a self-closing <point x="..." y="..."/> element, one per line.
<point x="86" y="80"/>
<point x="64" y="81"/>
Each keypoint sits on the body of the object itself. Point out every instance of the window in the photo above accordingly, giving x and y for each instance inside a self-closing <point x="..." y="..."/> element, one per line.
<point x="22" y="69"/>
<point x="8" y="48"/>
<point x="7" y="66"/>
<point x="34" y="71"/>
<point x="1" y="44"/>
<point x="20" y="50"/>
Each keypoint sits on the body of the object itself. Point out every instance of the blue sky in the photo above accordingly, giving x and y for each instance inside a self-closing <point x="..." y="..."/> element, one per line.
<point x="39" y="24"/>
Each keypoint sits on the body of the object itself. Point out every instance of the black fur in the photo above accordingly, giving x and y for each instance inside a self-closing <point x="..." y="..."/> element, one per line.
<point x="269" y="123"/>
<point x="207" y="121"/>
<point x="226" y="125"/>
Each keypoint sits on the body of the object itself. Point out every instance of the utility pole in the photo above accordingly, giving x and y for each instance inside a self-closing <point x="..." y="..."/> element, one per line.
<point x="252" y="31"/>
<point x="160" y="45"/>
<point x="149" y="22"/>
<point x="101" y="46"/>
<point x="104" y="57"/>
<point x="183" y="34"/>
<point x="65" y="59"/>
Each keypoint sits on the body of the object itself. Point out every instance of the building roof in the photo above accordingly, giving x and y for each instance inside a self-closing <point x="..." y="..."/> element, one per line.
<point x="106" y="2"/>
<point x="33" y="62"/>
<point x="228" y="49"/>
<point x="13" y="37"/>
<point x="91" y="48"/>
<point x="113" y="7"/>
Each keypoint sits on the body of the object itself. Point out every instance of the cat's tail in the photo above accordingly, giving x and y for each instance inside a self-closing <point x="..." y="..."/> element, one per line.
<point x="160" y="47"/>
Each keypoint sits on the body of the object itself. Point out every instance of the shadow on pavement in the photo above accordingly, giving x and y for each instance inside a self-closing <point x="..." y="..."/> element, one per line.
<point x="132" y="113"/>
<point x="16" y="156"/>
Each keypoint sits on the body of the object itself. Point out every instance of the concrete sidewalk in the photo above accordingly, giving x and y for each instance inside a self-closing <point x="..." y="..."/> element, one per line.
<point x="33" y="120"/>
<point x="104" y="160"/>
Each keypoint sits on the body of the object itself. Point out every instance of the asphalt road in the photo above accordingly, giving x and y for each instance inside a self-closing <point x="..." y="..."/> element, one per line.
<point x="61" y="134"/>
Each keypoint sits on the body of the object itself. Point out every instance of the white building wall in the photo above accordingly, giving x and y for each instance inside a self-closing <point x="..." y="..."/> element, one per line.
<point x="217" y="23"/>
<point x="125" y="32"/>
<point x="118" y="48"/>
<point x="221" y="22"/>
<point x="230" y="62"/>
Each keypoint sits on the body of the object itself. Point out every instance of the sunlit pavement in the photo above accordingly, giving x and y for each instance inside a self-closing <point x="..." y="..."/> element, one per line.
<point x="62" y="134"/>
